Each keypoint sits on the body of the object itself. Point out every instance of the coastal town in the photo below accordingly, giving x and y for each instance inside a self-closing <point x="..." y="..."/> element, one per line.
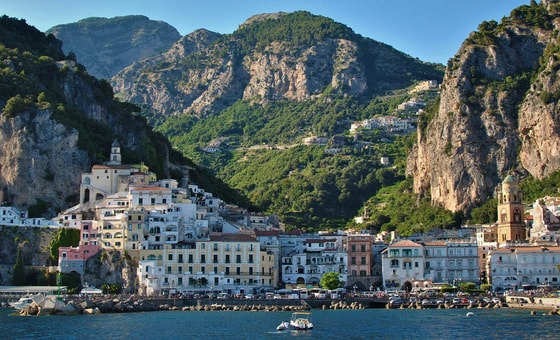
<point x="186" y="242"/>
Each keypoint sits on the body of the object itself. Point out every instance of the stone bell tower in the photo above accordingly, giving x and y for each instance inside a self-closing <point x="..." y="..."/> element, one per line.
<point x="511" y="226"/>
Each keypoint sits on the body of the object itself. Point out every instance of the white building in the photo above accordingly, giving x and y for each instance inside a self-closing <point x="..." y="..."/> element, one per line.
<point x="307" y="262"/>
<point x="408" y="265"/>
<point x="515" y="267"/>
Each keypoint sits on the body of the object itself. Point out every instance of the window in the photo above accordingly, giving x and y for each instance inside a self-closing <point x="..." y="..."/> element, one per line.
<point x="191" y="258"/>
<point x="170" y="257"/>
<point x="394" y="263"/>
<point x="215" y="258"/>
<point x="353" y="248"/>
<point x="180" y="258"/>
<point x="363" y="247"/>
<point x="227" y="259"/>
<point x="238" y="259"/>
<point x="353" y="260"/>
<point x="363" y="260"/>
<point x="202" y="258"/>
<point x="394" y="252"/>
<point x="250" y="258"/>
<point x="363" y="273"/>
<point x="238" y="270"/>
<point x="250" y="270"/>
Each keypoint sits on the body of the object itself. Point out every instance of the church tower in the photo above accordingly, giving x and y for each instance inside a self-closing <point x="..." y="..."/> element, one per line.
<point x="511" y="226"/>
<point x="115" y="154"/>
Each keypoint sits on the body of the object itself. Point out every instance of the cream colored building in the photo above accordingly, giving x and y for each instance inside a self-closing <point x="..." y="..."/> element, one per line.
<point x="232" y="263"/>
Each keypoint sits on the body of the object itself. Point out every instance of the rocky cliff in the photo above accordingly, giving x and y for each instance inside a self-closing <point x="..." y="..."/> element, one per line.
<point x="274" y="57"/>
<point x="107" y="45"/>
<point x="497" y="113"/>
<point x="34" y="244"/>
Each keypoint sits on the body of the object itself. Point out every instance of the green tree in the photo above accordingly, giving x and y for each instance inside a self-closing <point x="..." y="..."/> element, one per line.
<point x="66" y="237"/>
<point x="485" y="287"/>
<point x="18" y="278"/>
<point x="330" y="280"/>
<point x="72" y="281"/>
<point x="467" y="286"/>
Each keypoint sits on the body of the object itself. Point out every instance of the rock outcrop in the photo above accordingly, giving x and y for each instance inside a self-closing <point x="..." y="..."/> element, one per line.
<point x="497" y="114"/>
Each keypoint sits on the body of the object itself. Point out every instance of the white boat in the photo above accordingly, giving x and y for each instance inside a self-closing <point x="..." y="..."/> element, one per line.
<point x="300" y="321"/>
<point x="23" y="302"/>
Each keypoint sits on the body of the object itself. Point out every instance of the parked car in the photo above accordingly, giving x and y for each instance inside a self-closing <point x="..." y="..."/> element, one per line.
<point x="223" y="296"/>
<point x="250" y="296"/>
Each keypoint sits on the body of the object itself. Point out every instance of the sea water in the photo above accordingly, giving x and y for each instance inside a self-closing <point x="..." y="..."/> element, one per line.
<point x="329" y="324"/>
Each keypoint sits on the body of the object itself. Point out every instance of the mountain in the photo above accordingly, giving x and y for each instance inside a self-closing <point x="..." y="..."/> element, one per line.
<point x="271" y="57"/>
<point x="106" y="45"/>
<point x="258" y="92"/>
<point x="498" y="111"/>
<point x="57" y="120"/>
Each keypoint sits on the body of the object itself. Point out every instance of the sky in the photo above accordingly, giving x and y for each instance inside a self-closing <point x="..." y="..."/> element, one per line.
<point x="430" y="30"/>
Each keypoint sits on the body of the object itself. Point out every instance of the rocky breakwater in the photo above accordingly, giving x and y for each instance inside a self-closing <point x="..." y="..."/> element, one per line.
<point x="95" y="306"/>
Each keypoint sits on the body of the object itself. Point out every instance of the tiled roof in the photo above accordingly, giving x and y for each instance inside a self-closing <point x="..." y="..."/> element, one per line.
<point x="405" y="243"/>
<point x="232" y="237"/>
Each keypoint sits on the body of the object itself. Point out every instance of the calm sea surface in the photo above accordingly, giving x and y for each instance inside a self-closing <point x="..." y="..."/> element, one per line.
<point x="329" y="324"/>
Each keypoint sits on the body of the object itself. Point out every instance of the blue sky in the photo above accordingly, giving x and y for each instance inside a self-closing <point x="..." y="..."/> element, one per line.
<point x="431" y="30"/>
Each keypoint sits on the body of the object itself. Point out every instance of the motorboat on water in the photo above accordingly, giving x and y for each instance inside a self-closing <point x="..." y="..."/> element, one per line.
<point x="300" y="321"/>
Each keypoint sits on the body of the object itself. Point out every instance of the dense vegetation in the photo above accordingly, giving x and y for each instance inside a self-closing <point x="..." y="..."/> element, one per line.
<point x="263" y="157"/>
<point x="397" y="208"/>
